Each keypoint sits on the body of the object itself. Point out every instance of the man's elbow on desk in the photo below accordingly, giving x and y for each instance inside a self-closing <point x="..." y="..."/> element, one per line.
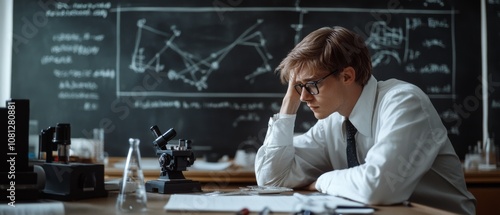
<point x="266" y="180"/>
<point x="372" y="193"/>
<point x="369" y="197"/>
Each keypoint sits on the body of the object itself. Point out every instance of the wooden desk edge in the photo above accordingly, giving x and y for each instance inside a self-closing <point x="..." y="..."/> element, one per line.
<point x="482" y="176"/>
<point x="429" y="210"/>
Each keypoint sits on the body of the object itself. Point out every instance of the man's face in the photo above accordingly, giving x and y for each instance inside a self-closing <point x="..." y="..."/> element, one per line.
<point x="330" y="97"/>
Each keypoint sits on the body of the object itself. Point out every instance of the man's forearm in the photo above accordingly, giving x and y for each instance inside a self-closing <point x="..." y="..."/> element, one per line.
<point x="289" y="105"/>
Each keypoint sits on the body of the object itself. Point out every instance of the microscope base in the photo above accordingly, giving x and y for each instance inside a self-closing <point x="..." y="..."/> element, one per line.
<point x="173" y="186"/>
<point x="73" y="181"/>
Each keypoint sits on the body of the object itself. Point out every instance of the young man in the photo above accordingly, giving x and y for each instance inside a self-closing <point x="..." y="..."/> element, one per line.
<point x="396" y="150"/>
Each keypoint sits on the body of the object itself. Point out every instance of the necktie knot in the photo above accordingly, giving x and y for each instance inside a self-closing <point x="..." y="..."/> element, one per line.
<point x="350" y="130"/>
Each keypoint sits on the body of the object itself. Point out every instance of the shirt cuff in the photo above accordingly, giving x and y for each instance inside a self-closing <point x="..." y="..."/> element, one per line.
<point x="322" y="183"/>
<point x="280" y="130"/>
<point x="282" y="116"/>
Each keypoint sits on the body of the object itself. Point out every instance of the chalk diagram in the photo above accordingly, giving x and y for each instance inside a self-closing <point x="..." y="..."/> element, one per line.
<point x="386" y="42"/>
<point x="197" y="71"/>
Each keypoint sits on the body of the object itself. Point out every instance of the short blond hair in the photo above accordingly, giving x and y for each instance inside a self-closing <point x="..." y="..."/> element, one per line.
<point x="330" y="49"/>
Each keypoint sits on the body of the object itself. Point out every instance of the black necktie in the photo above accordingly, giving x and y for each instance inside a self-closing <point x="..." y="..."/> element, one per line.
<point x="352" y="159"/>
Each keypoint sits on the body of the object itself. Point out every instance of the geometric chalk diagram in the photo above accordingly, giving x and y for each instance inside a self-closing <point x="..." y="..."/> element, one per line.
<point x="385" y="41"/>
<point x="196" y="70"/>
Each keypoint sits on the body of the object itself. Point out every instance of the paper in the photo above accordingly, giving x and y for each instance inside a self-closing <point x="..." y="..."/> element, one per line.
<point x="152" y="164"/>
<point x="112" y="185"/>
<point x="40" y="208"/>
<point x="252" y="190"/>
<point x="276" y="203"/>
<point x="146" y="164"/>
<point x="203" y="165"/>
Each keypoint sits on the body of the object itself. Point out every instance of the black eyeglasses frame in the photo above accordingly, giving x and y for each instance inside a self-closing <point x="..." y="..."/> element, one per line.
<point x="310" y="84"/>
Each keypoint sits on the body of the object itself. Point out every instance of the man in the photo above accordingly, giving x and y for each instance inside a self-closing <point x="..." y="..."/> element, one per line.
<point x="396" y="150"/>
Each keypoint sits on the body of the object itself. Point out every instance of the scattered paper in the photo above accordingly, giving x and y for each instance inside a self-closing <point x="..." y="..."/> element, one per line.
<point x="146" y="164"/>
<point x="276" y="203"/>
<point x="203" y="165"/>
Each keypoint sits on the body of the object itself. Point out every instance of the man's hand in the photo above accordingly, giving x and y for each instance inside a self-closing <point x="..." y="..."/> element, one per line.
<point x="311" y="186"/>
<point x="291" y="101"/>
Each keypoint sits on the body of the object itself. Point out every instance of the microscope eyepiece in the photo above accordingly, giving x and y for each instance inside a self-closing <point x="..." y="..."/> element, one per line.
<point x="62" y="134"/>
<point x="162" y="139"/>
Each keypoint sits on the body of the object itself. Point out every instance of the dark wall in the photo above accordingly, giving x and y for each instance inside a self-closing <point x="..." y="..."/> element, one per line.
<point x="206" y="68"/>
<point x="493" y="38"/>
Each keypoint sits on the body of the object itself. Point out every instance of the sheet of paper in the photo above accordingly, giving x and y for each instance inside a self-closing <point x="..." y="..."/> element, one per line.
<point x="276" y="203"/>
<point x="203" y="165"/>
<point x="41" y="208"/>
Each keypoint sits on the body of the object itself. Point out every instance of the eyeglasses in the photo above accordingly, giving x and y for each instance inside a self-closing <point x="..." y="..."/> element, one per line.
<point x="311" y="86"/>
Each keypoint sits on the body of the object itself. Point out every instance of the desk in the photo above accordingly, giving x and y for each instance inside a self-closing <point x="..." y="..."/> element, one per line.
<point x="157" y="201"/>
<point x="485" y="186"/>
<point x="475" y="177"/>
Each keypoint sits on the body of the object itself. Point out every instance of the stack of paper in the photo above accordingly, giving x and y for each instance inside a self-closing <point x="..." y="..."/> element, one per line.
<point x="276" y="203"/>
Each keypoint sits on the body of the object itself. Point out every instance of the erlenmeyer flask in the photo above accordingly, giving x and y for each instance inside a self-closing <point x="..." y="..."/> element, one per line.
<point x="132" y="196"/>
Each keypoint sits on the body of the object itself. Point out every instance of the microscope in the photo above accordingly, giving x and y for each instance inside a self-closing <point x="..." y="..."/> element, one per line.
<point x="173" y="160"/>
<point x="67" y="180"/>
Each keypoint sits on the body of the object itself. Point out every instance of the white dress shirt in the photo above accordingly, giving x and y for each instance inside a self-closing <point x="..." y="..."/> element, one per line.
<point x="402" y="147"/>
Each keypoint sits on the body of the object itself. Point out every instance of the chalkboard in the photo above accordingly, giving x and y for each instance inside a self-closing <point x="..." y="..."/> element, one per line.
<point x="206" y="68"/>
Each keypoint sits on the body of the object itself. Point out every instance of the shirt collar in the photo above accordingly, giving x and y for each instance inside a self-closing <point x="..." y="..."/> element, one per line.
<point x="362" y="114"/>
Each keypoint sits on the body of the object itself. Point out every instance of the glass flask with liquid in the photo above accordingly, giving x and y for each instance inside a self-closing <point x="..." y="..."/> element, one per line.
<point x="132" y="196"/>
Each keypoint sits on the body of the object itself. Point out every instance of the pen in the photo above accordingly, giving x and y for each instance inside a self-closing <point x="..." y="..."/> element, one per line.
<point x="351" y="207"/>
<point x="265" y="211"/>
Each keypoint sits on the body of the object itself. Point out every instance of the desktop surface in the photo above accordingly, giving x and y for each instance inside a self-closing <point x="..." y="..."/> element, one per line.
<point x="156" y="203"/>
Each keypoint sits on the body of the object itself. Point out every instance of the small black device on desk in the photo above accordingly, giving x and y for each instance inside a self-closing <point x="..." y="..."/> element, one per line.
<point x="172" y="162"/>
<point x="65" y="180"/>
